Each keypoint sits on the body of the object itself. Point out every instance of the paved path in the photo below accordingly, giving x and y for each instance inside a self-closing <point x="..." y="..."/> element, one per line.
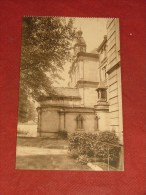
<point x="26" y="150"/>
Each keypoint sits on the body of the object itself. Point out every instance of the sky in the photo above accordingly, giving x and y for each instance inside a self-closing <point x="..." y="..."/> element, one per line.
<point x="93" y="30"/>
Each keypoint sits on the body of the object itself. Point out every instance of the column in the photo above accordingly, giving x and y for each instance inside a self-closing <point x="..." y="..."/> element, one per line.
<point x="39" y="122"/>
<point x="62" y="120"/>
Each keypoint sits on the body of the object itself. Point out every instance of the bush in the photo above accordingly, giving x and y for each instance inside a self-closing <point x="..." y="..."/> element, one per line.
<point x="94" y="146"/>
<point x="63" y="134"/>
<point x="73" y="153"/>
<point x="107" y="146"/>
<point x="82" y="143"/>
<point x="83" y="159"/>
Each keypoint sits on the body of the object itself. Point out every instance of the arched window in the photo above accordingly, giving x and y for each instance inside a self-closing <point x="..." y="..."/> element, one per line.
<point x="80" y="120"/>
<point x="103" y="94"/>
<point x="97" y="122"/>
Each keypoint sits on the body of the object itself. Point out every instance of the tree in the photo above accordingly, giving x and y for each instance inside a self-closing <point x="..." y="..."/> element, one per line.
<point x="27" y="111"/>
<point x="46" y="44"/>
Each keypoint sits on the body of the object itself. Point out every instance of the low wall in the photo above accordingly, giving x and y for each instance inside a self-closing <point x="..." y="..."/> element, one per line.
<point x="28" y="130"/>
<point x="53" y="119"/>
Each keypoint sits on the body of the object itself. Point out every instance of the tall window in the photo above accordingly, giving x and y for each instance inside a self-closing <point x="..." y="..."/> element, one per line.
<point x="103" y="73"/>
<point x="80" y="120"/>
<point x="97" y="122"/>
<point x="103" y="94"/>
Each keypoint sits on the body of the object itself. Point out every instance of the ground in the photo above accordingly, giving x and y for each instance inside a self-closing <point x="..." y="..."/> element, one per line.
<point x="41" y="142"/>
<point x="45" y="154"/>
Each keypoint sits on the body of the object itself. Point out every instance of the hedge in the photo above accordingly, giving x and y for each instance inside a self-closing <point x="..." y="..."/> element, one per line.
<point x="90" y="146"/>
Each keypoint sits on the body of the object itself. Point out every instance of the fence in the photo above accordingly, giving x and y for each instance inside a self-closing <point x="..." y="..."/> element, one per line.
<point x="120" y="155"/>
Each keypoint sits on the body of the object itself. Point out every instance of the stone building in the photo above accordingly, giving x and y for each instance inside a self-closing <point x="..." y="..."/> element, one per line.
<point x="92" y="101"/>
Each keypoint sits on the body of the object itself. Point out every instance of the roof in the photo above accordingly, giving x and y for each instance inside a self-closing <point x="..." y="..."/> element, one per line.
<point x="65" y="92"/>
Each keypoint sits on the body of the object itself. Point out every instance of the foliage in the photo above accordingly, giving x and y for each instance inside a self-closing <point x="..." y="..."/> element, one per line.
<point x="83" y="159"/>
<point x="46" y="43"/>
<point x="95" y="146"/>
<point x="63" y="134"/>
<point x="73" y="153"/>
<point x="83" y="143"/>
<point x="27" y="111"/>
<point x="107" y="146"/>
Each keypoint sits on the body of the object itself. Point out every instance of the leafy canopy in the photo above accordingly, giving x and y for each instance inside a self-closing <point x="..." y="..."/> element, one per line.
<point x="46" y="44"/>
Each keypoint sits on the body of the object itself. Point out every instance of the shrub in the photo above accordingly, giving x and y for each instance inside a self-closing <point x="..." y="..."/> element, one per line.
<point x="83" y="159"/>
<point x="63" y="134"/>
<point x="107" y="146"/>
<point x="73" y="153"/>
<point x="82" y="143"/>
<point x="108" y="137"/>
<point x="97" y="146"/>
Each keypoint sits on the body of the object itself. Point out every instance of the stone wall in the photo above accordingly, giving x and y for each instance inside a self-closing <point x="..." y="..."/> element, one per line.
<point x="91" y="69"/>
<point x="86" y="68"/>
<point x="48" y="121"/>
<point x="54" y="118"/>
<point x="113" y="43"/>
<point x="114" y="76"/>
<point x="90" y="96"/>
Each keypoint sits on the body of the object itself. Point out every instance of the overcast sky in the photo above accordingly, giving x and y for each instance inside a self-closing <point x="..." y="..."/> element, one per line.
<point x="94" y="30"/>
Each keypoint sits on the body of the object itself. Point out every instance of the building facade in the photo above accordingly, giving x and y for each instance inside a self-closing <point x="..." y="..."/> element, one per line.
<point x="92" y="101"/>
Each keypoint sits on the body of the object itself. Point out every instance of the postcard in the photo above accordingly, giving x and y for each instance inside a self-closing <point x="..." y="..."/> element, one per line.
<point x="70" y="97"/>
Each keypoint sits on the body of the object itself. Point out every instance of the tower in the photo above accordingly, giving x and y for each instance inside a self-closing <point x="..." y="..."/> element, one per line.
<point x="80" y="45"/>
<point x="84" y="72"/>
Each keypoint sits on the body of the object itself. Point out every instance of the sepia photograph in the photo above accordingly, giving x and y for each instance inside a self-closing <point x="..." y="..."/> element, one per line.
<point x="70" y="95"/>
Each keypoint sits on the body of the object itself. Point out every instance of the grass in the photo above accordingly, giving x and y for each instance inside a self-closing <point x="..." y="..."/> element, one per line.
<point x="49" y="162"/>
<point x="41" y="142"/>
<point x="46" y="162"/>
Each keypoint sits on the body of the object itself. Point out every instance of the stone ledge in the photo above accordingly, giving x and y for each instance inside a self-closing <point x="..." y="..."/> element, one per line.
<point x="94" y="167"/>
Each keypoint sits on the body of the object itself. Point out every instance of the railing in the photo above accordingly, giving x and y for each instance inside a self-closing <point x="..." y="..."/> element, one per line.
<point x="120" y="155"/>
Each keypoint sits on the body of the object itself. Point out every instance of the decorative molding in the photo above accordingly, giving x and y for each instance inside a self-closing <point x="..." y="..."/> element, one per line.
<point x="109" y="70"/>
<point x="82" y="83"/>
<point x="85" y="54"/>
<point x="61" y="97"/>
<point x="102" y="44"/>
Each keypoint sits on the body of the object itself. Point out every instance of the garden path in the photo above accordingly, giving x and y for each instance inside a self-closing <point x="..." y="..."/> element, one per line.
<point x="25" y="150"/>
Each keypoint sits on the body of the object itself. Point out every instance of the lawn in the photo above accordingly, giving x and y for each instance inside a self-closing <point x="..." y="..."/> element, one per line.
<point x="34" y="161"/>
<point x="49" y="162"/>
<point x="41" y="142"/>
